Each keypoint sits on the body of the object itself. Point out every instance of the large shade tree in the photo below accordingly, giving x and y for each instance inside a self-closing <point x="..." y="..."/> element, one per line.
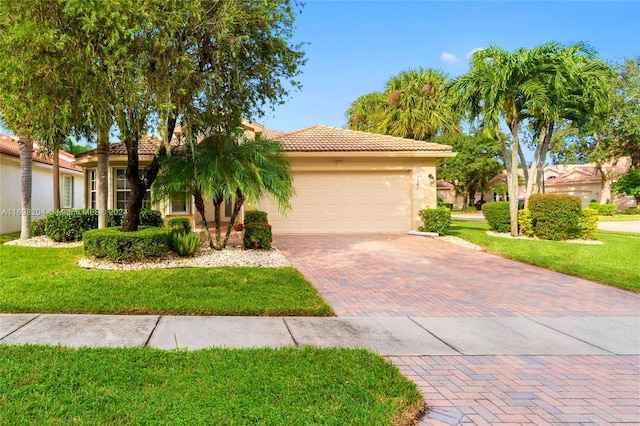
<point x="412" y="106"/>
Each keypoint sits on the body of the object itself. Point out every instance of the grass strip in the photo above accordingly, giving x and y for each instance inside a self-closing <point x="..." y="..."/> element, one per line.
<point x="614" y="263"/>
<point x="286" y="386"/>
<point x="48" y="280"/>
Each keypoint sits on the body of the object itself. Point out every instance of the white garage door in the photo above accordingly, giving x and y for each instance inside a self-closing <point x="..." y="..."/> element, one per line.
<point x="353" y="202"/>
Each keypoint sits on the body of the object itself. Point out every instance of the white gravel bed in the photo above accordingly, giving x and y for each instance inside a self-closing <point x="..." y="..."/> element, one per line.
<point x="459" y="242"/>
<point x="204" y="258"/>
<point x="42" y="241"/>
<point x="522" y="237"/>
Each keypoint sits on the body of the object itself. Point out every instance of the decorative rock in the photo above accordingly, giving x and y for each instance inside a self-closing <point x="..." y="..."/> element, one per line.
<point x="42" y="241"/>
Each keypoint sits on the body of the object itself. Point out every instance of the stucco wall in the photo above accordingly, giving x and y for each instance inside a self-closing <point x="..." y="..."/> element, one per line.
<point x="41" y="195"/>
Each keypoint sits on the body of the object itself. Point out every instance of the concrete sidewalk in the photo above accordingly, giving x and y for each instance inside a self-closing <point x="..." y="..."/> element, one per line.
<point x="388" y="336"/>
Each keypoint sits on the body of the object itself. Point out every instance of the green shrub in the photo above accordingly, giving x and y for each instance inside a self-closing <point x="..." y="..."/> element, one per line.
<point x="497" y="215"/>
<point x="114" y="217"/>
<point x="118" y="246"/>
<point x="182" y="222"/>
<point x="589" y="224"/>
<point x="632" y="210"/>
<point x="555" y="216"/>
<point x="150" y="217"/>
<point x="470" y="209"/>
<point x="38" y="227"/>
<point x="68" y="225"/>
<point x="185" y="244"/>
<point x="525" y="224"/>
<point x="440" y="202"/>
<point x="604" y="209"/>
<point x="435" y="220"/>
<point x="257" y="236"/>
<point x="255" y="216"/>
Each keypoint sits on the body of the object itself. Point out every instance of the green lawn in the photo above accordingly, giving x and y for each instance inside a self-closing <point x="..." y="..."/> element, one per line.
<point x="47" y="280"/>
<point x="287" y="386"/>
<point x="615" y="262"/>
<point x="620" y="218"/>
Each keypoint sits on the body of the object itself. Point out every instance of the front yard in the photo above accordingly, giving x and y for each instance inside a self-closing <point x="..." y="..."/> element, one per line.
<point x="614" y="263"/>
<point x="47" y="280"/>
<point x="287" y="386"/>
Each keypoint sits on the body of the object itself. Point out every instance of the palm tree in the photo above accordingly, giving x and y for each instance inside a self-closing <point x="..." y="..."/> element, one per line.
<point x="366" y="112"/>
<point x="225" y="166"/>
<point x="412" y="106"/>
<point x="497" y="87"/>
<point x="416" y="106"/>
<point x="26" y="168"/>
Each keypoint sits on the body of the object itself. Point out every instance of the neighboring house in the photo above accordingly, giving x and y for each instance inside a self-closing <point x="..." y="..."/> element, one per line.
<point x="581" y="180"/>
<point x="71" y="184"/>
<point x="345" y="181"/>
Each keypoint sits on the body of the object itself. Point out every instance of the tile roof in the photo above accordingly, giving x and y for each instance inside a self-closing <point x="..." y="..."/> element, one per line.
<point x="9" y="146"/>
<point x="148" y="145"/>
<point x="331" y="139"/>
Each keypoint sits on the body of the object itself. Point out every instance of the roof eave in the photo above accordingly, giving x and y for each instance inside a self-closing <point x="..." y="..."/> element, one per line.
<point x="374" y="154"/>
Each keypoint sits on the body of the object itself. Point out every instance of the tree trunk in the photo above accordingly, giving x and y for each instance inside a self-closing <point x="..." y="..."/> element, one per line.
<point x="56" y="179"/>
<point x="199" y="202"/>
<point x="131" y="220"/>
<point x="102" y="195"/>
<point x="532" y="174"/>
<point x="512" y="179"/>
<point x="26" y="166"/>
<point x="237" y="205"/>
<point x="217" y="202"/>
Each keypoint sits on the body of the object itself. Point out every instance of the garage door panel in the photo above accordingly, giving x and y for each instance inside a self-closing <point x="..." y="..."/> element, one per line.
<point x="367" y="202"/>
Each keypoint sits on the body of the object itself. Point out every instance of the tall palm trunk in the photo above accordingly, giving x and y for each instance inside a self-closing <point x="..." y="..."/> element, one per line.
<point x="511" y="164"/>
<point x="217" y="202"/>
<point x="56" y="179"/>
<point x="103" y="178"/>
<point x="26" y="166"/>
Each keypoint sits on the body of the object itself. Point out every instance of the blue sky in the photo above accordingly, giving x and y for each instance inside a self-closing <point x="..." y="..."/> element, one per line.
<point x="355" y="46"/>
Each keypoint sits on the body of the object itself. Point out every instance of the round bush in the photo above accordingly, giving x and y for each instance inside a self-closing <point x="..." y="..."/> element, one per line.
<point x="435" y="220"/>
<point x="182" y="222"/>
<point x="257" y="236"/>
<point x="497" y="215"/>
<point x="118" y="246"/>
<point x="255" y="216"/>
<point x="555" y="217"/>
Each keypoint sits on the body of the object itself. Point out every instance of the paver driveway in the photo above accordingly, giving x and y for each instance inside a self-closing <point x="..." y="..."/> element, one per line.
<point x="405" y="275"/>
<point x="399" y="275"/>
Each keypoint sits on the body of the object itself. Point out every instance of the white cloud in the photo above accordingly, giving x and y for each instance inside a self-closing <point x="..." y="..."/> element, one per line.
<point x="472" y="51"/>
<point x="448" y="58"/>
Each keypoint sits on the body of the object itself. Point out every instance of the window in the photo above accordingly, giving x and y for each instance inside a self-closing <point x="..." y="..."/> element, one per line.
<point x="67" y="192"/>
<point x="123" y="189"/>
<point x="228" y="207"/>
<point x="179" y="203"/>
<point x="93" y="189"/>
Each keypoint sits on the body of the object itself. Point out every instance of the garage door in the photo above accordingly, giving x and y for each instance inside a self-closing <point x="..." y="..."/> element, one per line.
<point x="354" y="202"/>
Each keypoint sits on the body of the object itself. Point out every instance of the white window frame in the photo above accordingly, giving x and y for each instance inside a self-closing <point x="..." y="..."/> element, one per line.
<point x="126" y="190"/>
<point x="93" y="189"/>
<point x="67" y="192"/>
<point x="186" y="203"/>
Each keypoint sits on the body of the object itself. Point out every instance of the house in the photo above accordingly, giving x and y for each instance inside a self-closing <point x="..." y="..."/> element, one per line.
<point x="71" y="184"/>
<point x="580" y="180"/>
<point x="345" y="181"/>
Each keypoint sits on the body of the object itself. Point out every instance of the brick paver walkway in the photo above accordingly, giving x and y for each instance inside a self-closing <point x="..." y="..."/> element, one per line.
<point x="404" y="275"/>
<point x="398" y="275"/>
<point x="527" y="390"/>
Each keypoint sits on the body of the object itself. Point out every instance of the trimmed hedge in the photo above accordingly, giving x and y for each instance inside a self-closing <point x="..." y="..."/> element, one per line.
<point x="38" y="227"/>
<point x="435" y="220"/>
<point x="118" y="246"/>
<point x="257" y="236"/>
<point x="255" y="216"/>
<point x="69" y="225"/>
<point x="497" y="215"/>
<point x="604" y="209"/>
<point x="525" y="224"/>
<point x="589" y="224"/>
<point x="555" y="216"/>
<point x="632" y="210"/>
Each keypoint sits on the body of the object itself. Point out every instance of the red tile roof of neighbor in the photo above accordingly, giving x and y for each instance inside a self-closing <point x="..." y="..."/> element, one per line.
<point x="148" y="145"/>
<point x="332" y="139"/>
<point x="9" y="146"/>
